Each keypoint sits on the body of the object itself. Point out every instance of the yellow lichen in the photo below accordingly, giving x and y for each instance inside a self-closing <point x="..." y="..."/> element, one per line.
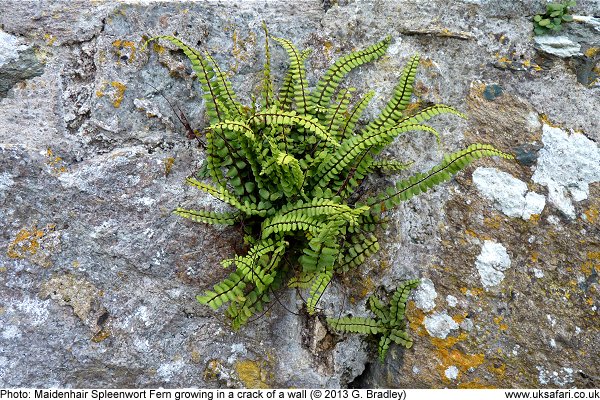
<point x="212" y="370"/>
<point x="119" y="94"/>
<point x="49" y="39"/>
<point x="592" y="52"/>
<point x="195" y="357"/>
<point x="498" y="321"/>
<point x="449" y="356"/>
<point x="591" y="215"/>
<point x="415" y="317"/>
<point x="25" y="243"/>
<point x="101" y="336"/>
<point x="120" y="44"/>
<point x="252" y="374"/>
<point x="168" y="163"/>
<point x="57" y="165"/>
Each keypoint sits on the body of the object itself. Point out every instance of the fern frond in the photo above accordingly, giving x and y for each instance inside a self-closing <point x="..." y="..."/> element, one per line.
<point x="329" y="83"/>
<point x="362" y="325"/>
<point x="267" y="83"/>
<point x="229" y="289"/>
<point x="274" y="116"/>
<point x="286" y="92"/>
<point x="358" y="250"/>
<point x="301" y="97"/>
<point x="351" y="150"/>
<point x="421" y="182"/>
<point x="209" y="217"/>
<point x="320" y="283"/>
<point x="400" y="98"/>
<point x="401" y="338"/>
<point x="430" y="112"/>
<point x="391" y="165"/>
<point x="226" y="196"/>
<point x="322" y="250"/>
<point x="398" y="302"/>
<point x="383" y="346"/>
<point x="205" y="75"/>
<point x="289" y="223"/>
<point x="382" y="312"/>
<point x="355" y="115"/>
<point x="303" y="280"/>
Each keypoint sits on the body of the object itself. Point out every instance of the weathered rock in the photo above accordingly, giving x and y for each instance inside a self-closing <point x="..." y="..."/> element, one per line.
<point x="98" y="278"/>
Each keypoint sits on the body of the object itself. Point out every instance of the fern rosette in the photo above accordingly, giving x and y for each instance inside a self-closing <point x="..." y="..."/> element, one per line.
<point x="289" y="166"/>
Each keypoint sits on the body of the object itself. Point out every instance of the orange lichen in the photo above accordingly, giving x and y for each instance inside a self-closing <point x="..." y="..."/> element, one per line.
<point x="119" y="94"/>
<point x="56" y="163"/>
<point x="168" y="162"/>
<point x="502" y="326"/>
<point x="471" y="292"/>
<point x="120" y="44"/>
<point x="101" y="336"/>
<point x="448" y="356"/>
<point x="592" y="52"/>
<point x="26" y="242"/>
<point x="475" y="384"/>
<point x="460" y="317"/>
<point x="252" y="374"/>
<point x="415" y="317"/>
<point x="591" y="215"/>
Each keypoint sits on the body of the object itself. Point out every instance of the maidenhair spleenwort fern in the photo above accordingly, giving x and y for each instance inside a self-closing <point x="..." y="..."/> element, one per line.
<point x="389" y="324"/>
<point x="289" y="165"/>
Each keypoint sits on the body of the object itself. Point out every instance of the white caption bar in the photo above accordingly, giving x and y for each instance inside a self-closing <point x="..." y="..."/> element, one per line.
<point x="300" y="394"/>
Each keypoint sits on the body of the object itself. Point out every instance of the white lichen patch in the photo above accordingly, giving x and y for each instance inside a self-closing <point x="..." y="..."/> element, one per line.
<point x="538" y="273"/>
<point x="491" y="263"/>
<point x="560" y="46"/>
<point x="425" y="295"/>
<point x="439" y="324"/>
<point x="451" y="372"/>
<point x="5" y="181"/>
<point x="168" y="370"/>
<point x="10" y="332"/>
<point x="561" y="377"/>
<point x="508" y="193"/>
<point x="451" y="300"/>
<point x="567" y="165"/>
<point x="9" y="48"/>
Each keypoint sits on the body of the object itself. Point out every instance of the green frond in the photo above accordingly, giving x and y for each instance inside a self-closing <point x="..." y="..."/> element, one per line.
<point x="286" y="92"/>
<point x="421" y="182"/>
<point x="383" y="346"/>
<point x="303" y="280"/>
<point x="229" y="289"/>
<point x="401" y="338"/>
<point x="205" y="74"/>
<point x="382" y="312"/>
<point x="226" y="196"/>
<point x="429" y="112"/>
<point x="267" y="83"/>
<point x="400" y="97"/>
<point x="398" y="302"/>
<point x="329" y="83"/>
<point x="320" y="283"/>
<point x="357" y="251"/>
<point x="335" y="115"/>
<point x="300" y="85"/>
<point x="352" y="149"/>
<point x="355" y="114"/>
<point x="323" y="250"/>
<point x="209" y="217"/>
<point x="391" y="165"/>
<point x="291" y="222"/>
<point x="366" y="326"/>
<point x="274" y="116"/>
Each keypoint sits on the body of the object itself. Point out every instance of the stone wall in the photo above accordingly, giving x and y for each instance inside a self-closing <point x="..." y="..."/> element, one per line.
<point x="98" y="278"/>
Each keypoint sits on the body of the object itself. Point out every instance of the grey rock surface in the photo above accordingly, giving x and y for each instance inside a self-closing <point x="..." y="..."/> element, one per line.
<point x="98" y="279"/>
